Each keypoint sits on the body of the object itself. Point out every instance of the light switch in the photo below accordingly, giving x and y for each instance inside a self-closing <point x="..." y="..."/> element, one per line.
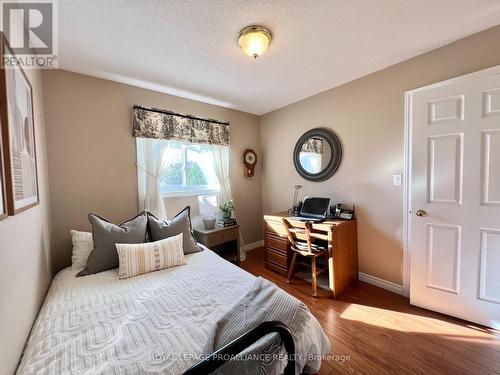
<point x="396" y="179"/>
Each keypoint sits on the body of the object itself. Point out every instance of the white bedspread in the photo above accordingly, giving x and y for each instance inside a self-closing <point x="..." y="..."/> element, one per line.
<point x="153" y="323"/>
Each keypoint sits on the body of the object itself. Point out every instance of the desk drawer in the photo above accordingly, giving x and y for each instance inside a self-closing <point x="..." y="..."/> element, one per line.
<point x="223" y="236"/>
<point x="278" y="244"/>
<point x="277" y="258"/>
<point x="275" y="229"/>
<point x="276" y="268"/>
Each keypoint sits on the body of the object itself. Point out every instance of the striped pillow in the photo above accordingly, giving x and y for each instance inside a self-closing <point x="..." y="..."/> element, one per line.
<point x="136" y="259"/>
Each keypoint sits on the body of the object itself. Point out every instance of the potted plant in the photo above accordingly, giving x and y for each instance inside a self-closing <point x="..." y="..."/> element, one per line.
<point x="227" y="208"/>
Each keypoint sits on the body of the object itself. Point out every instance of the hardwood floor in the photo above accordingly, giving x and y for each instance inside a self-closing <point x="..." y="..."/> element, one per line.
<point x="379" y="332"/>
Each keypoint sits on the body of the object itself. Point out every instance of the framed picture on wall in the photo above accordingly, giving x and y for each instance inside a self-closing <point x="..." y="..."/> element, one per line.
<point x="18" y="134"/>
<point x="3" y="195"/>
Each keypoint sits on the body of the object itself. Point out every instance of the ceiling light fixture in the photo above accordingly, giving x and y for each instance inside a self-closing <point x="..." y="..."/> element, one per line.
<point x="254" y="40"/>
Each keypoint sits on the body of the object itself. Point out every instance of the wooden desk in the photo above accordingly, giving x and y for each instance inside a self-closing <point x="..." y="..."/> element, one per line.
<point x="342" y="239"/>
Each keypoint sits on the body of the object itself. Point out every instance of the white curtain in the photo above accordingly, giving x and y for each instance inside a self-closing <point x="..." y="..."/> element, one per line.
<point x="153" y="159"/>
<point x="220" y="164"/>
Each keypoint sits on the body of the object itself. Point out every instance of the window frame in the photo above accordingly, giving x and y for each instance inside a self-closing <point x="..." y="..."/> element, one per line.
<point x="185" y="190"/>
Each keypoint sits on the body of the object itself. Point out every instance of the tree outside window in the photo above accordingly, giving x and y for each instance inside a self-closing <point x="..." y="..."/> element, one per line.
<point x="190" y="170"/>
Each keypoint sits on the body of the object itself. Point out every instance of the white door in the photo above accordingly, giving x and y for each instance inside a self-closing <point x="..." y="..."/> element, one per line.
<point x="454" y="223"/>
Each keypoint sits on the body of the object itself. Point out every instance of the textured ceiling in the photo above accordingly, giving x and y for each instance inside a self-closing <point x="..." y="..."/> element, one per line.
<point x="188" y="47"/>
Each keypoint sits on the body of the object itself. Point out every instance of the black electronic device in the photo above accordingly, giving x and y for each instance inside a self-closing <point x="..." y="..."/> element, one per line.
<point x="313" y="209"/>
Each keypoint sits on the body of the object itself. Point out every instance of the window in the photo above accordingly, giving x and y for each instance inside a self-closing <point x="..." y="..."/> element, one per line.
<point x="189" y="170"/>
<point x="310" y="161"/>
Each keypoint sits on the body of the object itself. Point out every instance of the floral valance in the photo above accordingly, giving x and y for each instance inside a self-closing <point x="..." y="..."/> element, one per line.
<point x="314" y="145"/>
<point x="161" y="124"/>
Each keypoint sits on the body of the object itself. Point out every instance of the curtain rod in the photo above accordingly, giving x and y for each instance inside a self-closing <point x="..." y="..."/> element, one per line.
<point x="165" y="112"/>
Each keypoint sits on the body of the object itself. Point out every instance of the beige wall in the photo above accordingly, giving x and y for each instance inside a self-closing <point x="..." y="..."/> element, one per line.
<point x="25" y="265"/>
<point x="92" y="155"/>
<point x="367" y="114"/>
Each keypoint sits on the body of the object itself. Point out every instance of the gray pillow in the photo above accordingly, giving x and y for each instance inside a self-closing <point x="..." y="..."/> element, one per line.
<point x="106" y="235"/>
<point x="181" y="223"/>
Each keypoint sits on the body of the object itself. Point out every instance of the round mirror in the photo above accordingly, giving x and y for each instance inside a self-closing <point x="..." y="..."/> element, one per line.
<point x="317" y="154"/>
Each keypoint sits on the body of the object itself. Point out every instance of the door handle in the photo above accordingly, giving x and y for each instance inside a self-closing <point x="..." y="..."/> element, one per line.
<point x="420" y="213"/>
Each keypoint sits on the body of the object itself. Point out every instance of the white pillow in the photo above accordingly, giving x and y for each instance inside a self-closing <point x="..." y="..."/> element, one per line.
<point x="140" y="258"/>
<point x="83" y="244"/>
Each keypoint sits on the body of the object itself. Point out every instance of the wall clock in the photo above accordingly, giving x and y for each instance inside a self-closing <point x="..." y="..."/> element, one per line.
<point x="249" y="161"/>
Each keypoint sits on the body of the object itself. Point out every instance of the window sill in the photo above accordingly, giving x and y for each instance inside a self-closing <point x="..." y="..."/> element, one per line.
<point x="188" y="193"/>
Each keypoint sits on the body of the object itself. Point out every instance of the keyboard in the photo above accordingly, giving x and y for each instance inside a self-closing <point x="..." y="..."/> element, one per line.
<point x="302" y="218"/>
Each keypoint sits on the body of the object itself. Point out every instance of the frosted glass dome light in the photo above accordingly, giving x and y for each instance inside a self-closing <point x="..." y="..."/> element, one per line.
<point x="254" y="40"/>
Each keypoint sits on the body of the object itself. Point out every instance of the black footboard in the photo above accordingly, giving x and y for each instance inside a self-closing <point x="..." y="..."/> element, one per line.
<point x="218" y="358"/>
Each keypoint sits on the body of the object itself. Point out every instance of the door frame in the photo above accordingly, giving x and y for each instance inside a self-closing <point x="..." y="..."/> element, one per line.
<point x="408" y="162"/>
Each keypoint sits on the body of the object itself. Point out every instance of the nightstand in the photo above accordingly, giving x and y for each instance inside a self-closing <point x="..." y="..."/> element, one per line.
<point x="223" y="241"/>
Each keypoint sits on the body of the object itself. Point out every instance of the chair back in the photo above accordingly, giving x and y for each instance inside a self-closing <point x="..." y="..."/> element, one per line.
<point x="293" y="233"/>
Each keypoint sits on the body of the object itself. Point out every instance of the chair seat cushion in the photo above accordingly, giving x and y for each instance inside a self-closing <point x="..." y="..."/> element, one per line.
<point x="300" y="245"/>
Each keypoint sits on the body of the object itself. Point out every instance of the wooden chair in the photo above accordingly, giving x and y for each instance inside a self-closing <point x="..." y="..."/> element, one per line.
<point x="302" y="244"/>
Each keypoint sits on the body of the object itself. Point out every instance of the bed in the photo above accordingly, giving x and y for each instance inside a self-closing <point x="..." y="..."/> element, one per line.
<point x="154" y="323"/>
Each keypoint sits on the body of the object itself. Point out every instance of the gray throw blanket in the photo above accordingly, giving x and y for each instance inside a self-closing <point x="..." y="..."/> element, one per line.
<point x="264" y="302"/>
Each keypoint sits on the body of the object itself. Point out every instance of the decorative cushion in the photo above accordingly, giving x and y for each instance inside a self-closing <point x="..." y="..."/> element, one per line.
<point x="137" y="259"/>
<point x="83" y="244"/>
<point x="181" y="223"/>
<point x="106" y="235"/>
<point x="302" y="245"/>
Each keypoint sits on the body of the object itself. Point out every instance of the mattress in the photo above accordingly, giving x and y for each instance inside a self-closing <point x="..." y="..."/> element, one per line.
<point x="153" y="323"/>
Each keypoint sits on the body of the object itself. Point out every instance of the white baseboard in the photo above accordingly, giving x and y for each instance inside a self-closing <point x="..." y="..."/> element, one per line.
<point x="381" y="283"/>
<point x="253" y="245"/>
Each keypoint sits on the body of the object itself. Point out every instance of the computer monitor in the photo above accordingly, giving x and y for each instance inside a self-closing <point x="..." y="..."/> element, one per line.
<point x="316" y="208"/>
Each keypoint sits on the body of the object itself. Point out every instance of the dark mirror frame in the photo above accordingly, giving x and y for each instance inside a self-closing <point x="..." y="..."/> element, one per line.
<point x="335" y="160"/>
